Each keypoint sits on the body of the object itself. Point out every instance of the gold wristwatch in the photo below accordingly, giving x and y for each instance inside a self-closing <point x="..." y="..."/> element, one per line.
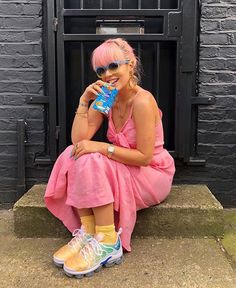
<point x="110" y="150"/>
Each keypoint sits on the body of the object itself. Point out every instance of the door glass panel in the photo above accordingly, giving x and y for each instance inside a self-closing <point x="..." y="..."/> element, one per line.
<point x="127" y="4"/>
<point x="80" y="25"/>
<point x="84" y="4"/>
<point x="150" y="4"/>
<point x="72" y="4"/>
<point x="167" y="88"/>
<point x="110" y="4"/>
<point x="153" y="25"/>
<point x="91" y="4"/>
<point x="169" y="4"/>
<point x="89" y="25"/>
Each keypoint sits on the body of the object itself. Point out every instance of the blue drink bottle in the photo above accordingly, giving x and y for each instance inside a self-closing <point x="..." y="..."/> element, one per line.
<point x="104" y="102"/>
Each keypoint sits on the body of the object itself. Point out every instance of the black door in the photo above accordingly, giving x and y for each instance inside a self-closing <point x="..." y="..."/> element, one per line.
<point x="164" y="35"/>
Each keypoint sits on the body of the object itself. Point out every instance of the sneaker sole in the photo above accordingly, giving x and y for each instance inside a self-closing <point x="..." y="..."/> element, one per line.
<point x="58" y="263"/>
<point x="89" y="273"/>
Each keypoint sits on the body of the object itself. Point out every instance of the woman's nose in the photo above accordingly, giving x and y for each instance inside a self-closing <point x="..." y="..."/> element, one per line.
<point x="108" y="73"/>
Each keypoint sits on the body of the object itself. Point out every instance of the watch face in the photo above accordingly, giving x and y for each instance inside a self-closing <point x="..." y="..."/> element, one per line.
<point x="111" y="149"/>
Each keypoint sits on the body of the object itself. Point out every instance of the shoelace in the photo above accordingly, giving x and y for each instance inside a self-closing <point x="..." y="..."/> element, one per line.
<point x="78" y="240"/>
<point x="93" y="249"/>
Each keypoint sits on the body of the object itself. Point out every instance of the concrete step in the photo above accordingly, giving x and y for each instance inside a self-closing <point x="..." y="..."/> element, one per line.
<point x="190" y="210"/>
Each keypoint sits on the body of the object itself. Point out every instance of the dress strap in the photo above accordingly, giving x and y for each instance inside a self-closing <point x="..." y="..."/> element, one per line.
<point x="132" y="105"/>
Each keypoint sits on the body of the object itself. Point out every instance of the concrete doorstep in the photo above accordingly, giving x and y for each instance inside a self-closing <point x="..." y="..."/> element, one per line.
<point x="155" y="262"/>
<point x="190" y="210"/>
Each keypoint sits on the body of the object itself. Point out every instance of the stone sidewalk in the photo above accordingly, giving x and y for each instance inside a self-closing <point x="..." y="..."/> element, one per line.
<point x="153" y="262"/>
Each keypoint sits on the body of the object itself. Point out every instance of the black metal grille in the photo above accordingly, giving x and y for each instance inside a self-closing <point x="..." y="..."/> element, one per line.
<point x="121" y="4"/>
<point x="167" y="49"/>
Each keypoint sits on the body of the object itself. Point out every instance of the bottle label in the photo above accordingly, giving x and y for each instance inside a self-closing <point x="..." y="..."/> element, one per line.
<point x="105" y="101"/>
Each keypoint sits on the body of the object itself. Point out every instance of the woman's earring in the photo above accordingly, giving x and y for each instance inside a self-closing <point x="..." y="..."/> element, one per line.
<point x="131" y="79"/>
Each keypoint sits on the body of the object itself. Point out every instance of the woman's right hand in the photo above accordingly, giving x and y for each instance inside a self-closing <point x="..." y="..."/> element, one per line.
<point x="92" y="91"/>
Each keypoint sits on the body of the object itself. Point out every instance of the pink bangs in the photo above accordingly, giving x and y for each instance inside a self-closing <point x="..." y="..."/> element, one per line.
<point x="105" y="54"/>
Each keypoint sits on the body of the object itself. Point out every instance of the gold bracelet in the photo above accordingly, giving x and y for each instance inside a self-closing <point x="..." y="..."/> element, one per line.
<point x="84" y="115"/>
<point x="77" y="112"/>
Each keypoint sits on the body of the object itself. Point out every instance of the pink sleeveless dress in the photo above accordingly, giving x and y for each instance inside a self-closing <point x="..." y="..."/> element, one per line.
<point x="95" y="180"/>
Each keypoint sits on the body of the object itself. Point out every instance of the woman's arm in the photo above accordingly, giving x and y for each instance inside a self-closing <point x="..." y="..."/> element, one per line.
<point x="87" y="120"/>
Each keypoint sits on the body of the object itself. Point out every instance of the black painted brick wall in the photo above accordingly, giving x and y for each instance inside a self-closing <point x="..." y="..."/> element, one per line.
<point x="21" y="75"/>
<point x="217" y="123"/>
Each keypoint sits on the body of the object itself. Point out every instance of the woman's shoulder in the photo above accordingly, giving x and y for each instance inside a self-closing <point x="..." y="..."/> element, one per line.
<point x="145" y="104"/>
<point x="144" y="98"/>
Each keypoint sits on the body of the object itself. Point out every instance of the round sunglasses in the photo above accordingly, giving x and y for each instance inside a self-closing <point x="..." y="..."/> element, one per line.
<point x="112" y="67"/>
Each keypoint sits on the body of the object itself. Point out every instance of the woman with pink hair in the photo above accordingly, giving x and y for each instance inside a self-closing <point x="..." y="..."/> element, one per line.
<point x="96" y="188"/>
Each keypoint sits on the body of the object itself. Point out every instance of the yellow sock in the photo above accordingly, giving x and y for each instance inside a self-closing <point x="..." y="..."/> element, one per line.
<point x="88" y="223"/>
<point x="110" y="235"/>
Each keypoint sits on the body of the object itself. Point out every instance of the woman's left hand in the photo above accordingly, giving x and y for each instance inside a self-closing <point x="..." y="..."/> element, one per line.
<point x="85" y="147"/>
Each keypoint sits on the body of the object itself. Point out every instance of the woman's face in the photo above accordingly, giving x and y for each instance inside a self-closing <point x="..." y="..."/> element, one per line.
<point x="120" y="77"/>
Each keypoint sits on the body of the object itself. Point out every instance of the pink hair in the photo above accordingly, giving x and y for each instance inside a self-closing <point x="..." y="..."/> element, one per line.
<point x="112" y="50"/>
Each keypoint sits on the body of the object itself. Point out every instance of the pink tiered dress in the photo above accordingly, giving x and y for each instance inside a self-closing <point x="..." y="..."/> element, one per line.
<point x="95" y="180"/>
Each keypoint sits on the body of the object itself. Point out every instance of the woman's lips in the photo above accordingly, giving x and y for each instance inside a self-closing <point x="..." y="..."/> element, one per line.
<point x="113" y="81"/>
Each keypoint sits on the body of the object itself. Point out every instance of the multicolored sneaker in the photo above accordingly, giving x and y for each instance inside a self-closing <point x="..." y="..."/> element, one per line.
<point x="93" y="256"/>
<point x="80" y="239"/>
